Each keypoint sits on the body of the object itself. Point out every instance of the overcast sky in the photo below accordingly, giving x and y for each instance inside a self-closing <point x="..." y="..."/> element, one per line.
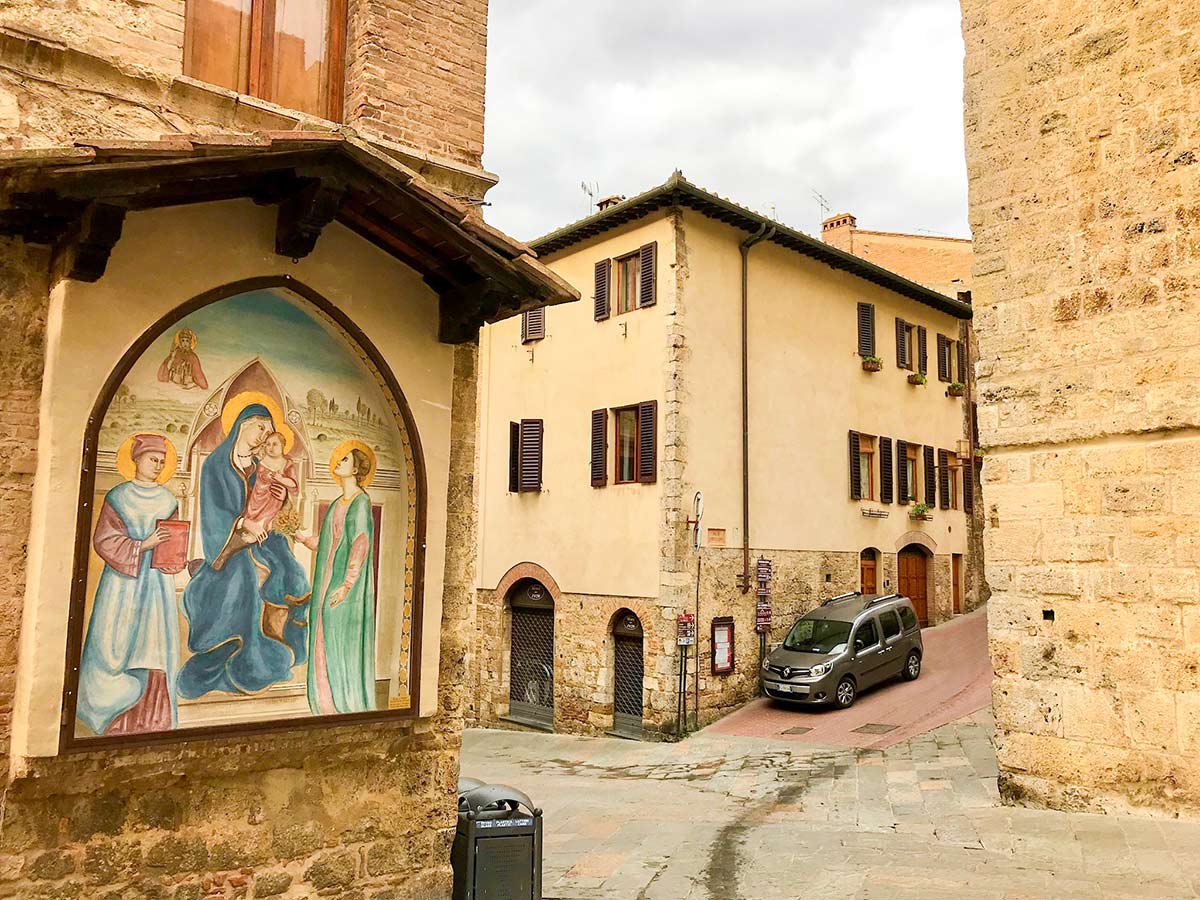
<point x="762" y="101"/>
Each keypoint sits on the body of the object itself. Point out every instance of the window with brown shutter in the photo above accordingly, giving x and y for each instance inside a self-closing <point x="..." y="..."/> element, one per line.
<point x="866" y="329"/>
<point x="866" y="466"/>
<point x="885" y="470"/>
<point x="647" y="467"/>
<point x="530" y="467"/>
<point x="930" y="497"/>
<point x="922" y="350"/>
<point x="904" y="475"/>
<point x="943" y="472"/>
<point x="533" y="324"/>
<point x="904" y="345"/>
<point x="962" y="361"/>
<point x="970" y="475"/>
<point x="943" y="357"/>
<point x="649" y="274"/>
<point x="600" y="302"/>
<point x="628" y="284"/>
<point x="514" y="457"/>
<point x="599" y="447"/>
<point x="855" y="474"/>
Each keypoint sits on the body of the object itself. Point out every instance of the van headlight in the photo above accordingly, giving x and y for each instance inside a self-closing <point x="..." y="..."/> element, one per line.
<point x="821" y="669"/>
<point x="766" y="666"/>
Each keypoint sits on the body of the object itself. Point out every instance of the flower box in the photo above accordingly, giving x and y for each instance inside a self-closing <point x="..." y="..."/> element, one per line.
<point x="921" y="512"/>
<point x="917" y="378"/>
<point x="872" y="363"/>
<point x="956" y="390"/>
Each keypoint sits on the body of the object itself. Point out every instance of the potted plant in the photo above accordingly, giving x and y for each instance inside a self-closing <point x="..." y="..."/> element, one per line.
<point x="957" y="389"/>
<point x="916" y="378"/>
<point x="872" y="363"/>
<point x="920" y="511"/>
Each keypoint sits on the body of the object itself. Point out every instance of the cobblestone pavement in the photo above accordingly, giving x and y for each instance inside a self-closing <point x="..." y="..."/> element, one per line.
<point x="721" y="817"/>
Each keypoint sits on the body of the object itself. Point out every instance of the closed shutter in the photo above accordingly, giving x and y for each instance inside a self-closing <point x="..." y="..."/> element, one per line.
<point x="962" y="361"/>
<point x="599" y="447"/>
<point x="902" y="345"/>
<point x="533" y="325"/>
<point x="885" y="470"/>
<point x="922" y="350"/>
<point x="531" y="455"/>
<point x="943" y="457"/>
<point x="902" y="472"/>
<point x="866" y="329"/>
<point x="930" y="478"/>
<point x="856" y="487"/>
<point x="601" y="297"/>
<point x="943" y="356"/>
<point x="648" y="260"/>
<point x="969" y="486"/>
<point x="514" y="456"/>
<point x="647" y="465"/>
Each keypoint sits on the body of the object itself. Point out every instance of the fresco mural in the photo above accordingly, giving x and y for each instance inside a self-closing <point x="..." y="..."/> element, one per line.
<point x="252" y="548"/>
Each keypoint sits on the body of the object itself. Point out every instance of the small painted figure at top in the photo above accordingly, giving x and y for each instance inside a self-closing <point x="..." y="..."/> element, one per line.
<point x="182" y="365"/>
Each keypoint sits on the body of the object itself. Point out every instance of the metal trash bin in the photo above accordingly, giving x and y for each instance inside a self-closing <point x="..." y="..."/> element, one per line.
<point x="497" y="852"/>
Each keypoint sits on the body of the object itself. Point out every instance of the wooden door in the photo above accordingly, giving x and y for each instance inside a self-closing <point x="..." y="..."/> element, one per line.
<point x="956" y="566"/>
<point x="913" y="581"/>
<point x="868" y="580"/>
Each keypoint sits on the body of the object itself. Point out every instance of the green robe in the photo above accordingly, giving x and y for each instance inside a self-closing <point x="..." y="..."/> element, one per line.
<point x="348" y="629"/>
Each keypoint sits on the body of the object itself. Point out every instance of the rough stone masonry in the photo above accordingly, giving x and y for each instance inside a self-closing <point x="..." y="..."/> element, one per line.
<point x="1082" y="142"/>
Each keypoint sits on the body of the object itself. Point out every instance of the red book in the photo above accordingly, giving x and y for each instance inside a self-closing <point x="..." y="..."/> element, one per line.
<point x="171" y="555"/>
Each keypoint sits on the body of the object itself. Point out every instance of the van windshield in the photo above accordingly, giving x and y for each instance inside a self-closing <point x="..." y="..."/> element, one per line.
<point x="818" y="636"/>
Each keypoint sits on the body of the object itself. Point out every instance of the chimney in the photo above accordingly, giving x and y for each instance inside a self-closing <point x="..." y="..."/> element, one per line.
<point x="838" y="231"/>
<point x="608" y="202"/>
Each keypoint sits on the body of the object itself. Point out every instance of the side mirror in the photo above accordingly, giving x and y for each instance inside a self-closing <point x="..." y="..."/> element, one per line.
<point x="858" y="645"/>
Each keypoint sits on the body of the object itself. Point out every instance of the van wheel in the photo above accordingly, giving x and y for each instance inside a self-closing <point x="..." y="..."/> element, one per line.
<point x="845" y="694"/>
<point x="912" y="666"/>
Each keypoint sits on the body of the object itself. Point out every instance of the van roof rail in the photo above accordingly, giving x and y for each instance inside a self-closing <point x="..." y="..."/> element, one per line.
<point x="841" y="597"/>
<point x="883" y="597"/>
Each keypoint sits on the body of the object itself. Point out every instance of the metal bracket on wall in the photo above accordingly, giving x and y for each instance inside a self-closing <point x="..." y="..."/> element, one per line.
<point x="875" y="513"/>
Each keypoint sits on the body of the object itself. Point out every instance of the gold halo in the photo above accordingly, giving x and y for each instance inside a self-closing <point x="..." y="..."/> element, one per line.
<point x="127" y="467"/>
<point x="233" y="408"/>
<point x="175" y="340"/>
<point x="345" y="447"/>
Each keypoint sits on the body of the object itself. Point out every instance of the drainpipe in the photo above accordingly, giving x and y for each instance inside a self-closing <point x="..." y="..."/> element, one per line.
<point x="764" y="233"/>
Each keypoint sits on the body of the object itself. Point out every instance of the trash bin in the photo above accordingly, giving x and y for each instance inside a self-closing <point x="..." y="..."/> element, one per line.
<point x="497" y="852"/>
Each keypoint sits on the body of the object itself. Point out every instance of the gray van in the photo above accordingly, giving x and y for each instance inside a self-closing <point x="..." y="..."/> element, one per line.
<point x="847" y="644"/>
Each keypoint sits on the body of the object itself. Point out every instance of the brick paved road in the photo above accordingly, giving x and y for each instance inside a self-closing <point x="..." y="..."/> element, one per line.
<point x="721" y="817"/>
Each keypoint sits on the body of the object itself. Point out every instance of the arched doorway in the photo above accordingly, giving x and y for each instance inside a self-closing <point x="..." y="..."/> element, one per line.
<point x="629" y="670"/>
<point x="913" y="575"/>
<point x="531" y="654"/>
<point x="868" y="568"/>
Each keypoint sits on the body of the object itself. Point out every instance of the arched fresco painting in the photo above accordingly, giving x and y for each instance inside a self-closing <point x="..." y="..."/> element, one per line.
<point x="253" y="528"/>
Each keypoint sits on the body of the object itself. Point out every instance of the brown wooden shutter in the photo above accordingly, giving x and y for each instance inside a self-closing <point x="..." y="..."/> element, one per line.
<point x="866" y="329"/>
<point x="648" y="261"/>
<point x="943" y="357"/>
<point x="922" y="350"/>
<point x="901" y="345"/>
<point x="531" y="455"/>
<point x="944" y="474"/>
<point x="533" y="324"/>
<point x="603" y="268"/>
<point x="969" y="486"/>
<point x="514" y="456"/>
<point x="855" y="468"/>
<point x="599" y="447"/>
<point x="930" y="478"/>
<point x="901" y="472"/>
<point x="885" y="470"/>
<point x="647" y="464"/>
<point x="962" y="361"/>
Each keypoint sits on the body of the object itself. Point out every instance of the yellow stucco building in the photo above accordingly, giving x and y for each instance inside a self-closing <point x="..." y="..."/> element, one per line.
<point x="818" y="449"/>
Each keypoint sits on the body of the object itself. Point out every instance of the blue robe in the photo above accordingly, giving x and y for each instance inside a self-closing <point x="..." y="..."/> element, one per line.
<point x="134" y="626"/>
<point x="231" y="652"/>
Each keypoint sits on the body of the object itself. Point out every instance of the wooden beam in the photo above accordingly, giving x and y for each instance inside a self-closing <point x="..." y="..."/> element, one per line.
<point x="304" y="214"/>
<point x="83" y="253"/>
<point x="464" y="309"/>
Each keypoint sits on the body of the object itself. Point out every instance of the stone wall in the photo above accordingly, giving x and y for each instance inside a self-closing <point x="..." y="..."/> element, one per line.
<point x="363" y="812"/>
<point x="1082" y="142"/>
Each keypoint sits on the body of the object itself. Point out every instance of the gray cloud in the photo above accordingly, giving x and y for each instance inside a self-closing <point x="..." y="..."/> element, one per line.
<point x="760" y="101"/>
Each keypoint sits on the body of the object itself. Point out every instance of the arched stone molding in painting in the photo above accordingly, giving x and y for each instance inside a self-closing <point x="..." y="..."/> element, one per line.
<point x="413" y="486"/>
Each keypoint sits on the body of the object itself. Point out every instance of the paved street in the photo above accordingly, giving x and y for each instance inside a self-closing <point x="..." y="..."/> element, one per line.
<point x="723" y="817"/>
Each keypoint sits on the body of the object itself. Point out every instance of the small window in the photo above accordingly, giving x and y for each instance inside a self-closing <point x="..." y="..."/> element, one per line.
<point x="866" y="466"/>
<point x="866" y="636"/>
<point x="533" y="324"/>
<point x="890" y="624"/>
<point x="904" y="344"/>
<point x="908" y="618"/>
<point x="525" y="455"/>
<point x="953" y="467"/>
<point x="911" y="471"/>
<point x="628" y="282"/>
<point x="627" y="444"/>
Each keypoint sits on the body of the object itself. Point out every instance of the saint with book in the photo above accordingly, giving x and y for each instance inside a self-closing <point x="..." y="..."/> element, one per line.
<point x="131" y="650"/>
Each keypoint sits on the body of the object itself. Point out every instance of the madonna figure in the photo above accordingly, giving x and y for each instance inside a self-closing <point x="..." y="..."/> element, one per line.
<point x="246" y="620"/>
<point x="341" y="671"/>
<point x="131" y="653"/>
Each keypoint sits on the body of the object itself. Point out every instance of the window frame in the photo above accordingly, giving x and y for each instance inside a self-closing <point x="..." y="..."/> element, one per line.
<point x="866" y="456"/>
<point x="912" y="454"/>
<point x="257" y="76"/>
<point x="633" y="409"/>
<point x="634" y="261"/>
<point x="953" y="466"/>
<point x="862" y="626"/>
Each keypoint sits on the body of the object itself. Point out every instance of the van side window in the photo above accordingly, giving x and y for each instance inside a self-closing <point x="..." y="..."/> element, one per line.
<point x="908" y="617"/>
<point x="866" y="636"/>
<point x="890" y="624"/>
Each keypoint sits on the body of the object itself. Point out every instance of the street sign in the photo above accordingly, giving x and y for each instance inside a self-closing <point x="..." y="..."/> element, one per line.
<point x="762" y="615"/>
<point x="685" y="635"/>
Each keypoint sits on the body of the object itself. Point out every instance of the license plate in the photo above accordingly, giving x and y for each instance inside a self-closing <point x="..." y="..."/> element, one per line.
<point x="792" y="688"/>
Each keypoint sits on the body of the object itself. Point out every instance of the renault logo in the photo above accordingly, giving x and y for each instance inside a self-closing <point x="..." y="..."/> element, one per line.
<point x="787" y="672"/>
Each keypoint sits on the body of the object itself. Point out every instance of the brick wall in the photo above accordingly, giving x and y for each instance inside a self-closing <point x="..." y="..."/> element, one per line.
<point x="1082" y="143"/>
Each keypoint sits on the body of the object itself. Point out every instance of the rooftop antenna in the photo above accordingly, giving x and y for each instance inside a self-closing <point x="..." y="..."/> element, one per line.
<point x="591" y="189"/>
<point x="821" y="202"/>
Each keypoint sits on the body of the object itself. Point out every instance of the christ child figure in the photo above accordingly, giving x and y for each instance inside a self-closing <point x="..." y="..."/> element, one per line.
<point x="274" y="482"/>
